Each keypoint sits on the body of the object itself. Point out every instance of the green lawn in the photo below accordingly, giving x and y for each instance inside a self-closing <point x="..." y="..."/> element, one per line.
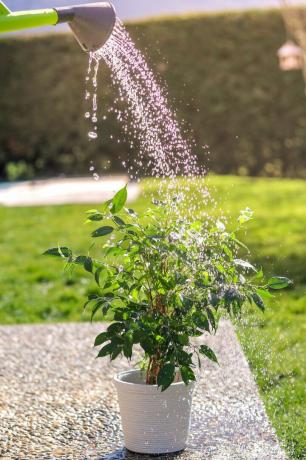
<point x="32" y="288"/>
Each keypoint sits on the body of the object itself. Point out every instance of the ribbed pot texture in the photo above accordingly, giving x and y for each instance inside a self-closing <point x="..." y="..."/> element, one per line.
<point x="153" y="422"/>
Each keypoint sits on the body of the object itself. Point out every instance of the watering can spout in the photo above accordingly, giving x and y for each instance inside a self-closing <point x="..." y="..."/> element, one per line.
<point x="91" y="23"/>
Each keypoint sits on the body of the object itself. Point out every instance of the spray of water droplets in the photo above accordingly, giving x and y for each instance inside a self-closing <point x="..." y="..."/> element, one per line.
<point x="148" y="123"/>
<point x="91" y="86"/>
<point x="92" y="79"/>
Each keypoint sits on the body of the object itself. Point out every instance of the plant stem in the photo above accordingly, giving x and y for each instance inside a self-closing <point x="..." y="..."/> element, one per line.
<point x="152" y="371"/>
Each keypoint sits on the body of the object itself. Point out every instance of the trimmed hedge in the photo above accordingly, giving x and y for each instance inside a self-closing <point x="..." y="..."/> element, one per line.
<point x="222" y="74"/>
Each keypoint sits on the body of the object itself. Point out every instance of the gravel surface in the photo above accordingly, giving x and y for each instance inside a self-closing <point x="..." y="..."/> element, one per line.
<point x="58" y="402"/>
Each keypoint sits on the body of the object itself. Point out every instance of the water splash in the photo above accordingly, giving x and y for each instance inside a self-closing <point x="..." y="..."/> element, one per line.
<point x="91" y="84"/>
<point x="149" y="124"/>
<point x="147" y="120"/>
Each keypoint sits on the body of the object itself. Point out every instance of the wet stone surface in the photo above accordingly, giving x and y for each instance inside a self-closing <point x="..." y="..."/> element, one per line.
<point x="58" y="402"/>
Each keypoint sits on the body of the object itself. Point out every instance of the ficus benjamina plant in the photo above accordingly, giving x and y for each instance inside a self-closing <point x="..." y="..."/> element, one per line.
<point x="164" y="280"/>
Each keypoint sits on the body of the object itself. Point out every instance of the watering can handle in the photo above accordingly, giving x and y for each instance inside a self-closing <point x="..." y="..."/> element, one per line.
<point x="4" y="9"/>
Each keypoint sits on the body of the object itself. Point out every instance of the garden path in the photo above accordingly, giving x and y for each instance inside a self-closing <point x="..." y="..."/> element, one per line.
<point x="58" y="402"/>
<point x="64" y="191"/>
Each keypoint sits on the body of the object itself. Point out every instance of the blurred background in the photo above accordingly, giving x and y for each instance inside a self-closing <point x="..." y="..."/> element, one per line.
<point x="228" y="89"/>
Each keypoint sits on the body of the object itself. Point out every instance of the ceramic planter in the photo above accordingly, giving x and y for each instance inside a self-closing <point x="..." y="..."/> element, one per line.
<point x="153" y="422"/>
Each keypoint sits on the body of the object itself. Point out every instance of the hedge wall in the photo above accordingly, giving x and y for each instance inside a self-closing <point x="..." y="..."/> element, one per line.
<point x="222" y="74"/>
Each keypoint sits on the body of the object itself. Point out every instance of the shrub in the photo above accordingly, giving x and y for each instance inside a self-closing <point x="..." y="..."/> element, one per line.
<point x="165" y="280"/>
<point x="222" y="74"/>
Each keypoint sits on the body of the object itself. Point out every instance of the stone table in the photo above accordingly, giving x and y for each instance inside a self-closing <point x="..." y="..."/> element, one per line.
<point x="58" y="402"/>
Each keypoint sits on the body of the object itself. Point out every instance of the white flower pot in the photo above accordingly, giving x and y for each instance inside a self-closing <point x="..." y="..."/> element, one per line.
<point x="153" y="422"/>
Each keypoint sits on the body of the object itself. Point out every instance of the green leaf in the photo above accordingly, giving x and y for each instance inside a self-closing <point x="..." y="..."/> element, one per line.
<point x="101" y="338"/>
<point x="239" y="243"/>
<point x="102" y="231"/>
<point x="137" y="335"/>
<point x="92" y="211"/>
<point x="227" y="251"/>
<point x="258" y="301"/>
<point x="115" y="328"/>
<point x="93" y="296"/>
<point x="187" y="374"/>
<point x="279" y="282"/>
<point x="115" y="352"/>
<point x="148" y="345"/>
<point x="166" y="376"/>
<point x="201" y="321"/>
<point x="58" y="252"/>
<point x="97" y="275"/>
<point x="206" y="351"/>
<point x="128" y="348"/>
<point x="88" y="264"/>
<point x="259" y="275"/>
<point x="211" y="318"/>
<point x="105" y="308"/>
<point x="96" y="307"/>
<point x="115" y="251"/>
<point x="183" y="358"/>
<point x="196" y="333"/>
<point x="106" y="350"/>
<point x="119" y="221"/>
<point x="131" y="212"/>
<point x="245" y="216"/>
<point x="96" y="217"/>
<point x="101" y="276"/>
<point x="244" y="264"/>
<point x="80" y="260"/>
<point x="90" y="298"/>
<point x="265" y="294"/>
<point x="119" y="200"/>
<point x="183" y="339"/>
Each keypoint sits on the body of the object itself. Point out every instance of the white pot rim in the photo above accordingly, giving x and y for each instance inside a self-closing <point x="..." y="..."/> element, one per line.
<point x="143" y="387"/>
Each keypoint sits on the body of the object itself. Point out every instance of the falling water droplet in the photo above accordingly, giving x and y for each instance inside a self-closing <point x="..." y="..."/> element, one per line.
<point x="150" y="126"/>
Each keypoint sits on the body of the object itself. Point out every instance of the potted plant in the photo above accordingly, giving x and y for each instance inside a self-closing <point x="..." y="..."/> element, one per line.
<point x="163" y="280"/>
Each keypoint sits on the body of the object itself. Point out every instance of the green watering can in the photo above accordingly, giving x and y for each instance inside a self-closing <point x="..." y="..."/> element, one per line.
<point x="91" y="23"/>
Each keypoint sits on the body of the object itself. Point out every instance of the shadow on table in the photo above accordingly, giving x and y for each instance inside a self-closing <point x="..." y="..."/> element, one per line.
<point x="124" y="454"/>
